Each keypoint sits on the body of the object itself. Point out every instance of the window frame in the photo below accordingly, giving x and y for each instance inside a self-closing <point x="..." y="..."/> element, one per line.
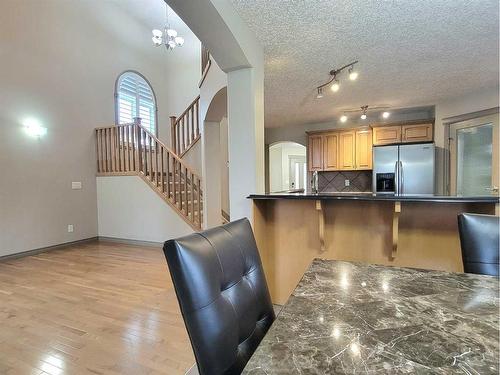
<point x="116" y="96"/>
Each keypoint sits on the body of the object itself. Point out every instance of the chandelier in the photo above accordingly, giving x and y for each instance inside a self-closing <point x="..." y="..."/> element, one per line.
<point x="168" y="37"/>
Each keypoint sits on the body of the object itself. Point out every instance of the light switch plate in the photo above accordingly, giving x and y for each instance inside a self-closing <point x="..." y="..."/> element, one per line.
<point x="76" y="185"/>
<point x="347" y="183"/>
<point x="70" y="228"/>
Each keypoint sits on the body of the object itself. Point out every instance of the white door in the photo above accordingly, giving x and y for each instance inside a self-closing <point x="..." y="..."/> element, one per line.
<point x="474" y="156"/>
<point x="298" y="172"/>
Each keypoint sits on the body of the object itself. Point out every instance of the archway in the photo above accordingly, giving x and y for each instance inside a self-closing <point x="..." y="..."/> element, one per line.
<point x="287" y="166"/>
<point x="215" y="156"/>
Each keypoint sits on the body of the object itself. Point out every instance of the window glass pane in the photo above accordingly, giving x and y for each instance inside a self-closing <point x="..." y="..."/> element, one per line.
<point x="474" y="159"/>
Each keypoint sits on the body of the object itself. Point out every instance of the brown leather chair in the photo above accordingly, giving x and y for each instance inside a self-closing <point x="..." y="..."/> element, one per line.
<point x="479" y="239"/>
<point x="223" y="295"/>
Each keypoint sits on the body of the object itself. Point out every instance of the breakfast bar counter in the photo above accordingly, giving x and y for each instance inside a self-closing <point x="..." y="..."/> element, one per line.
<point x="349" y="318"/>
<point x="292" y="229"/>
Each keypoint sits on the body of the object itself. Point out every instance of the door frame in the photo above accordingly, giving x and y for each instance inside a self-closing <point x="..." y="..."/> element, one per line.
<point x="300" y="158"/>
<point x="452" y="148"/>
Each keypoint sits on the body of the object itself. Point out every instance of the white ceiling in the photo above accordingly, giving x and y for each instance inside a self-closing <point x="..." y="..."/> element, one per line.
<point x="410" y="53"/>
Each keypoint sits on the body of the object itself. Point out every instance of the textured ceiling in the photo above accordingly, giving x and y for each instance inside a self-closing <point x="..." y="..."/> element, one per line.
<point x="410" y="53"/>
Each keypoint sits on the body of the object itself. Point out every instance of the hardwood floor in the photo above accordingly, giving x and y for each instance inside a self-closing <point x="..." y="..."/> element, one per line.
<point x="92" y="308"/>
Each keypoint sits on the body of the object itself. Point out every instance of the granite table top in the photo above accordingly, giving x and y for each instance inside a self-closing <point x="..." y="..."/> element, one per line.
<point x="351" y="318"/>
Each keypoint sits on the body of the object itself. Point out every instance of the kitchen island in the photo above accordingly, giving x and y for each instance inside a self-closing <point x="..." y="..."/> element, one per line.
<point x="405" y="231"/>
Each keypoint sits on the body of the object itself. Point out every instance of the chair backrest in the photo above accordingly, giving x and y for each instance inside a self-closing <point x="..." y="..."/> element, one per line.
<point x="479" y="239"/>
<point x="223" y="295"/>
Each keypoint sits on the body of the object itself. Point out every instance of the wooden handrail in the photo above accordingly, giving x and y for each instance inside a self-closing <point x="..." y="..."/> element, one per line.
<point x="205" y="58"/>
<point x="185" y="129"/>
<point x="131" y="149"/>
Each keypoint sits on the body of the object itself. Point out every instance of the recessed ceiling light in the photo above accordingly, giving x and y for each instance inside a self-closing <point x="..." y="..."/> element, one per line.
<point x="386" y="114"/>
<point x="343" y="118"/>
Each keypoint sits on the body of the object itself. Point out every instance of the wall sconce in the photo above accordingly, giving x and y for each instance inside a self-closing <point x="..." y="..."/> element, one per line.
<point x="34" y="128"/>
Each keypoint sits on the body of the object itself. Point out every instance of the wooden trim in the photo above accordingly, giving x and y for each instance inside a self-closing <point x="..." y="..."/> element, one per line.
<point x="401" y="123"/>
<point x="205" y="73"/>
<point x="338" y="130"/>
<point x="45" y="249"/>
<point x="127" y="241"/>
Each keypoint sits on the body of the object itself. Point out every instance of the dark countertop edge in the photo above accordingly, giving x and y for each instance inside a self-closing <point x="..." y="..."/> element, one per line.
<point x="369" y="197"/>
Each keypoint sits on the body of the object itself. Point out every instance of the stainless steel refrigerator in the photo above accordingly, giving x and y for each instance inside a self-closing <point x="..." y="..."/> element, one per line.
<point x="404" y="169"/>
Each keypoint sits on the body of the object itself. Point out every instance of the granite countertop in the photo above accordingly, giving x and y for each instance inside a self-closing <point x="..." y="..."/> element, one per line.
<point x="377" y="197"/>
<point x="346" y="318"/>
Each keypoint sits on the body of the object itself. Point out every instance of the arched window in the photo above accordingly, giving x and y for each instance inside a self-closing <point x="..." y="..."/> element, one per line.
<point x="135" y="98"/>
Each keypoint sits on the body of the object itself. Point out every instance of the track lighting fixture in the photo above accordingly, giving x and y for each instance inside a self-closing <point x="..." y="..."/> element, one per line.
<point x="364" y="109"/>
<point x="334" y="82"/>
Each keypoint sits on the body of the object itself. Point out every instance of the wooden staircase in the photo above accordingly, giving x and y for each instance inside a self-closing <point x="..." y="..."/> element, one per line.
<point x="185" y="129"/>
<point x="130" y="149"/>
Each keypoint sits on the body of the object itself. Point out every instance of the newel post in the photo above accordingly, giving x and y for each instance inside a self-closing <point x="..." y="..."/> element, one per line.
<point x="173" y="135"/>
<point x="138" y="153"/>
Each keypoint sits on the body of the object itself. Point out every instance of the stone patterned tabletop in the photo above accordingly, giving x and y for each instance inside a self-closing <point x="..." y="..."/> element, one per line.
<point x="351" y="318"/>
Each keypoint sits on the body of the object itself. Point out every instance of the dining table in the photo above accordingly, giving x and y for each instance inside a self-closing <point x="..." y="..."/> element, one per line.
<point x="351" y="318"/>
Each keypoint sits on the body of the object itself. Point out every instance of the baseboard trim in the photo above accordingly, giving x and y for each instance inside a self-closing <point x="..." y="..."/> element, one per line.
<point x="127" y="241"/>
<point x="45" y="249"/>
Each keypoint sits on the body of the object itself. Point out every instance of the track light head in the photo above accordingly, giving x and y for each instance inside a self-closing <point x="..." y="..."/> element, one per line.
<point x="353" y="75"/>
<point x="320" y="93"/>
<point x="343" y="118"/>
<point x="335" y="85"/>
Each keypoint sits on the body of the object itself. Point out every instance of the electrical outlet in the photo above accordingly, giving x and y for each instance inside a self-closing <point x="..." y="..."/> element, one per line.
<point x="76" y="185"/>
<point x="70" y="228"/>
<point x="347" y="183"/>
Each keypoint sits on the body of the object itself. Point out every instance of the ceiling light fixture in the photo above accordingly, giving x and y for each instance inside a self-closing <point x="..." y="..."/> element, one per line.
<point x="34" y="128"/>
<point x="386" y="114"/>
<point x="364" y="109"/>
<point x="334" y="82"/>
<point x="353" y="75"/>
<point x="343" y="118"/>
<point x="169" y="37"/>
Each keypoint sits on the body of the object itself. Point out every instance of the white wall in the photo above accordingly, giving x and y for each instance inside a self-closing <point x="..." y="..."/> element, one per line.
<point x="59" y="60"/>
<point x="128" y="208"/>
<point x="224" y="165"/>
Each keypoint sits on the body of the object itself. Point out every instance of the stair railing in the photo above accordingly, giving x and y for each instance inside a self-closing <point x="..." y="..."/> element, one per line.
<point x="130" y="149"/>
<point x="185" y="129"/>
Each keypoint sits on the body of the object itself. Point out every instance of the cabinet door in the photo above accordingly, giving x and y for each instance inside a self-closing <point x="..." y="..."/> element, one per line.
<point x="315" y="153"/>
<point x="347" y="158"/>
<point x="417" y="133"/>
<point x="331" y="152"/>
<point x="386" y="135"/>
<point x="364" y="149"/>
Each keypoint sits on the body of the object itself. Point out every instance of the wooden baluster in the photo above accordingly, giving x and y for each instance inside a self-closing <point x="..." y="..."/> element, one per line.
<point x="167" y="172"/>
<point x="186" y="196"/>
<point x="200" y="208"/>
<point x="173" y="142"/>
<point x="174" y="180"/>
<point x="127" y="139"/>
<point x="97" y="150"/>
<point x="157" y="164"/>
<point x="192" y="197"/>
<point x="137" y="149"/>
<point x="106" y="149"/>
<point x="150" y="143"/>
<point x="162" y="167"/>
<point x="183" y="147"/>
<point x="122" y="145"/>
<point x="197" y="117"/>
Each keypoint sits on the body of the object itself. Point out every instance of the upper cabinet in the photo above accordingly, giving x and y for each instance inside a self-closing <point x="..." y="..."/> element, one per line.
<point x="340" y="150"/>
<point x="417" y="133"/>
<point x="315" y="153"/>
<point x="364" y="149"/>
<point x="386" y="135"/>
<point x="347" y="150"/>
<point x="405" y="133"/>
<point x="331" y="151"/>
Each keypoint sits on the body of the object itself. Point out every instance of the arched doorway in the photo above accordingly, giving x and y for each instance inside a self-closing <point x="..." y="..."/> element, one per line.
<point x="287" y="166"/>
<point x="215" y="156"/>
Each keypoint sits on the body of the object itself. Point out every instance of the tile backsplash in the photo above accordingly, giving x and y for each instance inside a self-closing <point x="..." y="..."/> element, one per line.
<point x="359" y="181"/>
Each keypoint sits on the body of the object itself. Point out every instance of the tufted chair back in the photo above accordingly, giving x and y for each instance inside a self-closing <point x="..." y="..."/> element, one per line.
<point x="223" y="295"/>
<point x="479" y="240"/>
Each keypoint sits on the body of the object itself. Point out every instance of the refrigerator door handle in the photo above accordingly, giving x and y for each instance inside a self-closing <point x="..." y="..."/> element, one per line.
<point x="396" y="178"/>
<point x="401" y="176"/>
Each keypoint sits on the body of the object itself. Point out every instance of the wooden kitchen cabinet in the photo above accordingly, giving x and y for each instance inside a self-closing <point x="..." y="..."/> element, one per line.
<point x="386" y="135"/>
<point x="347" y="150"/>
<point x="315" y="153"/>
<point x="364" y="149"/>
<point x="331" y="151"/>
<point x="417" y="133"/>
